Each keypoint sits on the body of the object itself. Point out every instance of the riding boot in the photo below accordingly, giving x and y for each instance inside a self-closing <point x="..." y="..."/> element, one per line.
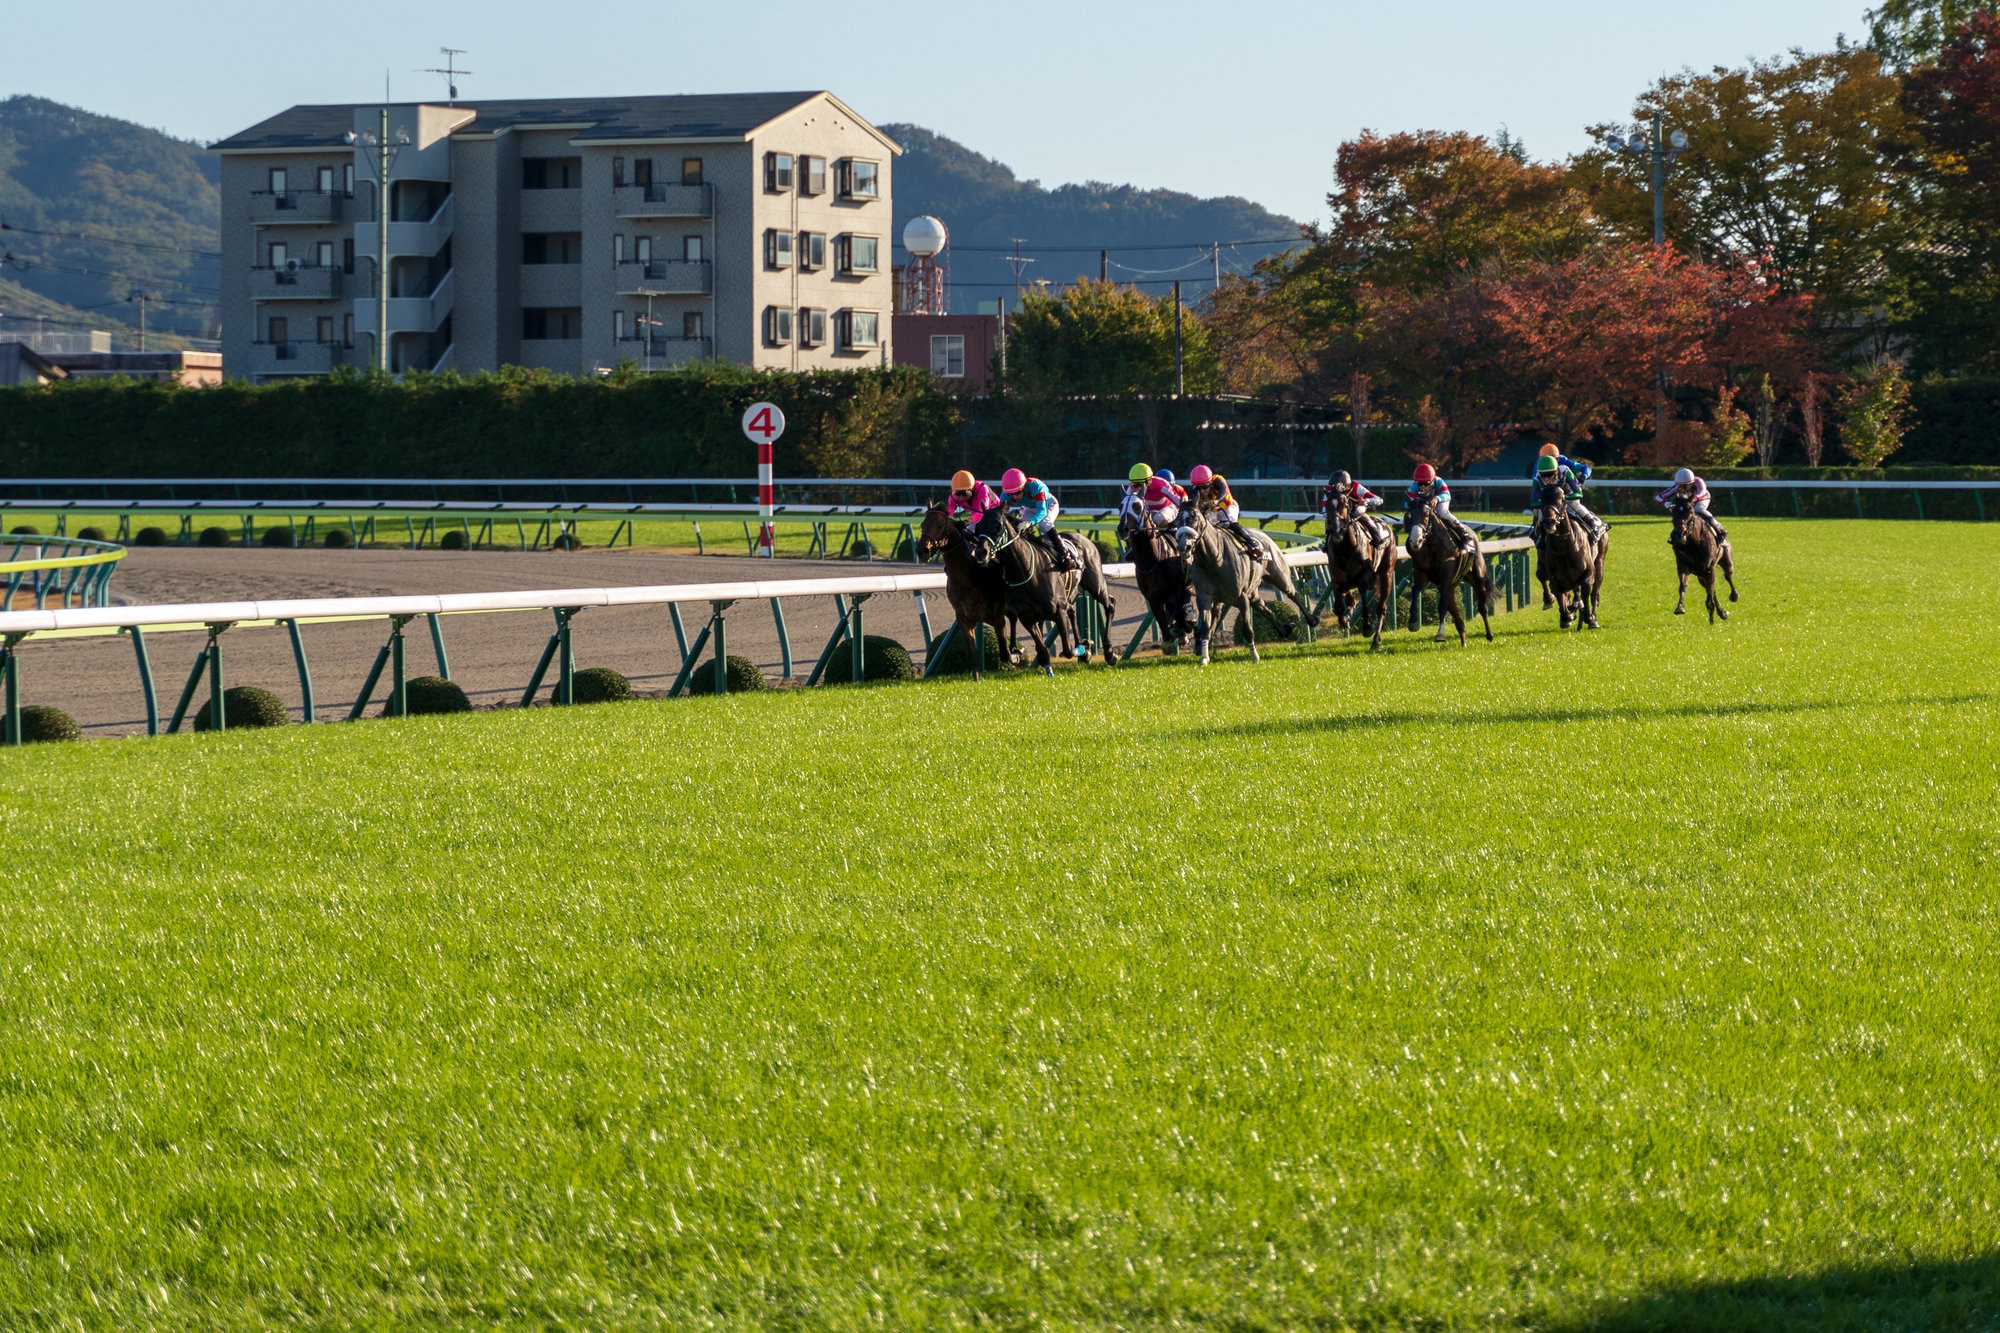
<point x="1721" y="533"/>
<point x="1243" y="539"/>
<point x="1468" y="540"/>
<point x="1059" y="551"/>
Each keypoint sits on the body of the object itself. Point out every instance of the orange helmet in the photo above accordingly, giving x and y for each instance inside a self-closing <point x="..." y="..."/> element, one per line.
<point x="962" y="480"/>
<point x="1549" y="451"/>
<point x="1425" y="473"/>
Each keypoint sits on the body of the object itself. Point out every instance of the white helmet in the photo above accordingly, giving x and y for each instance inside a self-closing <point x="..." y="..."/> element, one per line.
<point x="1683" y="477"/>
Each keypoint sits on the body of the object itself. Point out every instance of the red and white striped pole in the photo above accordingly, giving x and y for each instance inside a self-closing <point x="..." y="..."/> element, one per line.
<point x="763" y="423"/>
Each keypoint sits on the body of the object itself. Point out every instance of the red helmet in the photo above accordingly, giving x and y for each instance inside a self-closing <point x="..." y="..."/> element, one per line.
<point x="1426" y="473"/>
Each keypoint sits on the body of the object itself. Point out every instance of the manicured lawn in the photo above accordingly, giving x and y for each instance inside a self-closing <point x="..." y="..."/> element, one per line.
<point x="1634" y="979"/>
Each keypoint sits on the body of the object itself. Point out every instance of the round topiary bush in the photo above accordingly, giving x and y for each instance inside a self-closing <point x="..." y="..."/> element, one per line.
<point x="91" y="535"/>
<point x="600" y="685"/>
<point x="744" y="675"/>
<point x="214" y="537"/>
<point x="1106" y="551"/>
<point x="452" y="541"/>
<point x="39" y="722"/>
<point x="956" y="659"/>
<point x="434" y="694"/>
<point x="245" y="706"/>
<point x="882" y="658"/>
<point x="861" y="549"/>
<point x="906" y="552"/>
<point x="565" y="542"/>
<point x="1277" y="622"/>
<point x="338" y="539"/>
<point x="26" y="530"/>
<point x="278" y="537"/>
<point x="151" y="537"/>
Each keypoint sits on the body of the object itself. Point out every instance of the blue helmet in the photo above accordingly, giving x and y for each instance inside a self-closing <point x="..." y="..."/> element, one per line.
<point x="1166" y="474"/>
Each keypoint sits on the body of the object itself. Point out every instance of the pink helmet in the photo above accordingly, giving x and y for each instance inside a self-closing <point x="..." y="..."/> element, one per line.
<point x="1159" y="490"/>
<point x="1201" y="475"/>
<point x="1012" y="480"/>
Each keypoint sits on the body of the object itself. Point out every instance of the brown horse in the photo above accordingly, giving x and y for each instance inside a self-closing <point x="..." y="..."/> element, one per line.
<point x="1162" y="574"/>
<point x="1359" y="560"/>
<point x="1435" y="558"/>
<point x="1697" y="552"/>
<point x="1570" y="560"/>
<point x="977" y="594"/>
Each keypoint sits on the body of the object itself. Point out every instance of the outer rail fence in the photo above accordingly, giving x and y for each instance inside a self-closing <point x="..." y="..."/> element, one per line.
<point x="1508" y="553"/>
<point x="78" y="573"/>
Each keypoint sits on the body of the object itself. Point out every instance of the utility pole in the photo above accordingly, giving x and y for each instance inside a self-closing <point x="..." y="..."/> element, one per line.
<point x="1104" y="266"/>
<point x="378" y="146"/>
<point x="1018" y="261"/>
<point x="141" y="298"/>
<point x="1215" y="255"/>
<point x="1179" y="383"/>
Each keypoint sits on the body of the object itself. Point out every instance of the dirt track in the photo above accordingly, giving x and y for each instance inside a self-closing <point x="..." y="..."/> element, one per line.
<point x="96" y="680"/>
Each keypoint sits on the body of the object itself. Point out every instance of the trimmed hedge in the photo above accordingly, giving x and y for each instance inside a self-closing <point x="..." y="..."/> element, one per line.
<point x="214" y="537"/>
<point x="454" y="540"/>
<point x="40" y="722"/>
<point x="744" y="675"/>
<point x="600" y="685"/>
<point x="428" y="695"/>
<point x="245" y="706"/>
<point x="150" y="537"/>
<point x="338" y="539"/>
<point x="882" y="659"/>
<point x="1276" y="622"/>
<point x="277" y="537"/>
<point x="91" y="535"/>
<point x="25" y="530"/>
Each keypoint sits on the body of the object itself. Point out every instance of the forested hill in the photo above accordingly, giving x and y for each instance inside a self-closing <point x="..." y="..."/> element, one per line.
<point x="64" y="170"/>
<point x="986" y="206"/>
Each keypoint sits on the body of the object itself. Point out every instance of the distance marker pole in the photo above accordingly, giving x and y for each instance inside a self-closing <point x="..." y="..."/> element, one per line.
<point x="767" y="541"/>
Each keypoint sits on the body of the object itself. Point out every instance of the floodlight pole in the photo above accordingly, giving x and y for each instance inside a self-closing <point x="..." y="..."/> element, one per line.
<point x="378" y="146"/>
<point x="1663" y="154"/>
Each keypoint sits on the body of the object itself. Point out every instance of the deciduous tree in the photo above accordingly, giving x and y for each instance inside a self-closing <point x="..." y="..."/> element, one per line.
<point x="1100" y="338"/>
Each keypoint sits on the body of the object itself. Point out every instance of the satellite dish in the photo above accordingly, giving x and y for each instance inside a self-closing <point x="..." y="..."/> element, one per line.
<point x="1679" y="139"/>
<point x="924" y="236"/>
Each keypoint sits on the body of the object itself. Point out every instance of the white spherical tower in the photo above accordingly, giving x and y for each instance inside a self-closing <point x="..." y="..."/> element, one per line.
<point x="927" y="277"/>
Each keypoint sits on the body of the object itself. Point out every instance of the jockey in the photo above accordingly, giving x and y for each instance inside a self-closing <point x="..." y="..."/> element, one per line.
<point x="1037" y="507"/>
<point x="1166" y="474"/>
<point x="1212" y="496"/>
<point x="1426" y="484"/>
<point x="971" y="501"/>
<point x="1162" y="507"/>
<point x="1553" y="480"/>
<point x="1132" y="500"/>
<point x="1341" y="487"/>
<point x="1687" y="486"/>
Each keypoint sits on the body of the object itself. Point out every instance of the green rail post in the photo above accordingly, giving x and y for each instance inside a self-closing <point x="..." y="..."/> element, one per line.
<point x="840" y="630"/>
<point x="1979" y="498"/>
<point x="1919" y="497"/>
<point x="10" y="685"/>
<point x="145" y="679"/>
<point x="437" y="646"/>
<point x="687" y="664"/>
<point x="368" y="685"/>
<point x="399" y="695"/>
<point x="923" y="616"/>
<point x="305" y="675"/>
<point x="1857" y="503"/>
<point x="217" y="718"/>
<point x="934" y="652"/>
<point x="721" y="646"/>
<point x="187" y="691"/>
<point x="566" y="664"/>
<point x="784" y="637"/>
<point x="1797" y="512"/>
<point x="680" y="630"/>
<point x="1133" y="646"/>
<point x="857" y="640"/>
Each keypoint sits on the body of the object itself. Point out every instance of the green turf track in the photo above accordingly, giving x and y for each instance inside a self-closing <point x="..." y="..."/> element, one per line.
<point x="1642" y="979"/>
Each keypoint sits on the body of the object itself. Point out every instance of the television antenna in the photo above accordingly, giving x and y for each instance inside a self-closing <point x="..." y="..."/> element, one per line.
<point x="450" y="70"/>
<point x="1017" y="260"/>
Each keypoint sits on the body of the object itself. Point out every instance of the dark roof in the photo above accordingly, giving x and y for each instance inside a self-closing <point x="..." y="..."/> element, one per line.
<point x="693" y="116"/>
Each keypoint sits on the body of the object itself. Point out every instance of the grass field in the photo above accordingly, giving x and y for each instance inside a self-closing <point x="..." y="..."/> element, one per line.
<point x="1640" y="979"/>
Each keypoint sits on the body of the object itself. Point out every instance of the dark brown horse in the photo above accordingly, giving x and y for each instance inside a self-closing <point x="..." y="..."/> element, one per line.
<point x="1359" y="560"/>
<point x="976" y="592"/>
<point x="1436" y="558"/>
<point x="1037" y="592"/>
<point x="1162" y="574"/>
<point x="1697" y="552"/>
<point x="1570" y="561"/>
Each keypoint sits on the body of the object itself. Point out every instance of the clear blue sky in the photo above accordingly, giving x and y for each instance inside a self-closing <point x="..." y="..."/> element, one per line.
<point x="1248" y="98"/>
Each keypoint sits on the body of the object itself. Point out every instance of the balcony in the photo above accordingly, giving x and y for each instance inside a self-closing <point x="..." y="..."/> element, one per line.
<point x="663" y="353"/>
<point x="409" y="314"/>
<point x="307" y="282"/>
<point x="295" y="358"/>
<point x="296" y="207"/>
<point x="409" y="238"/>
<point x="665" y="277"/>
<point x="663" y="201"/>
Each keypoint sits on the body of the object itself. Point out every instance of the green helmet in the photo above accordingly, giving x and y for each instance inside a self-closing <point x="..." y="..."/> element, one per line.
<point x="1140" y="472"/>
<point x="1544" y="465"/>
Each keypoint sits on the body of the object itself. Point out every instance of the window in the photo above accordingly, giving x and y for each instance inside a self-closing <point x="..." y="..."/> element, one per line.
<point x="280" y="330"/>
<point x="812" y="175"/>
<point x="326" y="328"/>
<point x="690" y="171"/>
<point x="325" y="256"/>
<point x="948" y="355"/>
<point x="551" y="323"/>
<point x="347" y="255"/>
<point x="347" y="332"/>
<point x="618" y="248"/>
<point x="777" y="326"/>
<point x="691" y="249"/>
<point x="857" y="329"/>
<point x="617" y="171"/>
<point x="552" y="173"/>
<point x="691" y="326"/>
<point x="347" y="180"/>
<point x="277" y="180"/>
<point x="777" y="249"/>
<point x="551" y="247"/>
<point x="618" y="326"/>
<point x="642" y="249"/>
<point x="278" y="254"/>
<point x="812" y="327"/>
<point x="326" y="180"/>
<point x="858" y="254"/>
<point x="812" y="250"/>
<point x="859" y="179"/>
<point x="642" y="171"/>
<point x="777" y="172"/>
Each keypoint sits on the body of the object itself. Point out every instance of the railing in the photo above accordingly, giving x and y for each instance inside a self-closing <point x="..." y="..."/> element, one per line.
<point x="270" y="208"/>
<point x="663" y="200"/>
<point x="849" y="594"/>
<point x="78" y="573"/>
<point x="670" y="351"/>
<point x="668" y="277"/>
<point x="304" y="282"/>
<point x="304" y="356"/>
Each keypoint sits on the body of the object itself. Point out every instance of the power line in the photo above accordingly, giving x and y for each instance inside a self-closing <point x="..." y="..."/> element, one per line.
<point x="111" y="240"/>
<point x="9" y="259"/>
<point x="1092" y="249"/>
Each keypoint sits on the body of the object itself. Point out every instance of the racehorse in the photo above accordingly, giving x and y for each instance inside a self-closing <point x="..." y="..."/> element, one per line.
<point x="976" y="592"/>
<point x="1162" y="574"/>
<point x="1435" y="558"/>
<point x="1360" y="560"/>
<point x="1571" y="560"/>
<point x="1038" y="592"/>
<point x="1225" y="577"/>
<point x="1697" y="552"/>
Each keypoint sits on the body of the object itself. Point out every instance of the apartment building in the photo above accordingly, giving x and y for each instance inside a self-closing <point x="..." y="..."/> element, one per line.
<point x="567" y="235"/>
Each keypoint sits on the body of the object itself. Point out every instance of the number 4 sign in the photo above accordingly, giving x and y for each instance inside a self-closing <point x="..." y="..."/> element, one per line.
<point x="763" y="423"/>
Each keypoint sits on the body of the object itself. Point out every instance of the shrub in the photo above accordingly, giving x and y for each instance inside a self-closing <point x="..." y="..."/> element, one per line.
<point x="744" y="675"/>
<point x="151" y="537"/>
<point x="1108" y="552"/>
<point x="600" y="685"/>
<point x="434" y="694"/>
<point x="861" y="548"/>
<point x="882" y="658"/>
<point x="565" y="542"/>
<point x="39" y="722"/>
<point x="91" y="535"/>
<point x="338" y="539"/>
<point x="906" y="552"/>
<point x="453" y="540"/>
<point x="26" y="530"/>
<point x="277" y="537"/>
<point x="245" y="706"/>
<point x="1276" y="622"/>
<point x="214" y="537"/>
<point x="956" y="659"/>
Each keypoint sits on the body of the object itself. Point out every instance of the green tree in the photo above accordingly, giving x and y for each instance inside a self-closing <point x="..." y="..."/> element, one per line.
<point x="1908" y="33"/>
<point x="1875" y="414"/>
<point x="1101" y="339"/>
